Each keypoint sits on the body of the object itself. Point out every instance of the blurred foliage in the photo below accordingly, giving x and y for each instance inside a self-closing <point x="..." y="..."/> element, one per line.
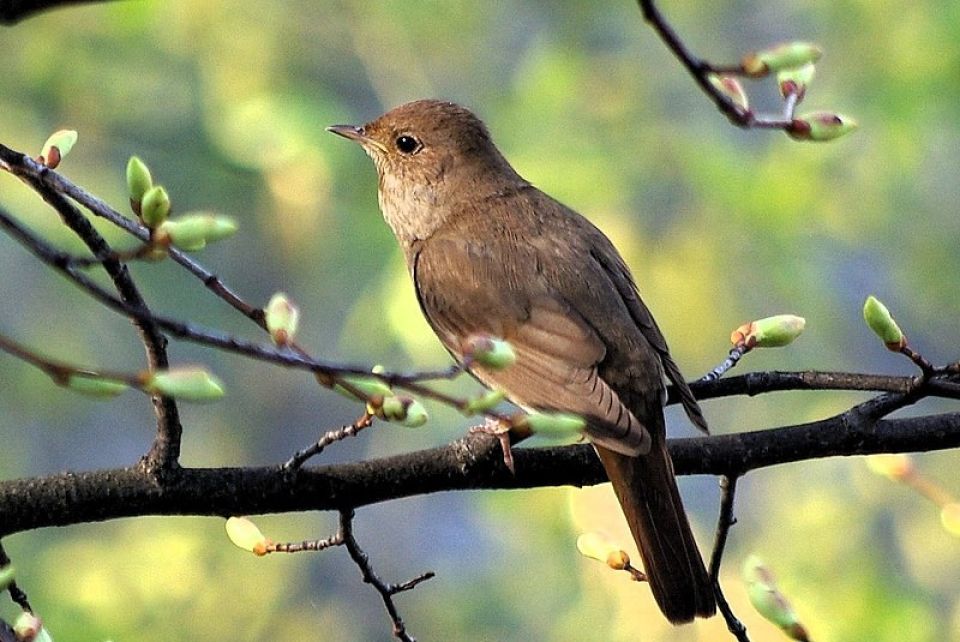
<point x="227" y="100"/>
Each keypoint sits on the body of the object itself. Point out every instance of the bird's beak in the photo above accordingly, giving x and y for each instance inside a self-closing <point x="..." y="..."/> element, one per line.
<point x="356" y="134"/>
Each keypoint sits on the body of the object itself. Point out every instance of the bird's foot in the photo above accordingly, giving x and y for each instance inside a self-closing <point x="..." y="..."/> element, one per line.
<point x="501" y="431"/>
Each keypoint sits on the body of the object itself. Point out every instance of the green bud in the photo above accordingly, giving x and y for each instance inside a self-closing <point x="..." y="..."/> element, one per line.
<point x="186" y="383"/>
<point x="139" y="181"/>
<point x="484" y="403"/>
<point x="155" y="207"/>
<point x="246" y="535"/>
<point x="730" y="87"/>
<point x="767" y="599"/>
<point x="282" y="318"/>
<point x="27" y="627"/>
<point x="95" y="386"/>
<point x="488" y="351"/>
<point x="404" y="411"/>
<point x="368" y="386"/>
<point x="598" y="547"/>
<point x="193" y="232"/>
<point x="559" y="424"/>
<point x="7" y="576"/>
<point x="795" y="80"/>
<point x="821" y="126"/>
<point x="878" y="318"/>
<point x="57" y="146"/>
<point x="777" y="331"/>
<point x="785" y="56"/>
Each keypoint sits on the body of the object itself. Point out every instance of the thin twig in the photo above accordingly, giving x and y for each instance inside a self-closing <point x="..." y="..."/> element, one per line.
<point x="332" y="436"/>
<point x="386" y="591"/>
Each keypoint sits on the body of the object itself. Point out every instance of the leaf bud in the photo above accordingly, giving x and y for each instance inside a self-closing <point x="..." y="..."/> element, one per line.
<point x="768" y="601"/>
<point x="139" y="182"/>
<point x="27" y="627"/>
<point x="247" y="535"/>
<point x="282" y="318"/>
<point x="795" y="80"/>
<point x="484" y="403"/>
<point x="597" y="546"/>
<point x="370" y="387"/>
<point x="189" y="383"/>
<point x="155" y="207"/>
<point x="492" y="352"/>
<point x="730" y="87"/>
<point x="558" y="424"/>
<point x="193" y="232"/>
<point x="404" y="411"/>
<point x="769" y="332"/>
<point x="101" y="387"/>
<point x="821" y="126"/>
<point x="881" y="322"/>
<point x="57" y="146"/>
<point x="785" y="56"/>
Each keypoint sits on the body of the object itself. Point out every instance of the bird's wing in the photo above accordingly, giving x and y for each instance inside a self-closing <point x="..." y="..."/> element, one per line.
<point x="558" y="352"/>
<point x="620" y="276"/>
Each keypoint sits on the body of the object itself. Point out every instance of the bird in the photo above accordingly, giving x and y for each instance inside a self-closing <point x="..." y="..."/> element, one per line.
<point x="490" y="254"/>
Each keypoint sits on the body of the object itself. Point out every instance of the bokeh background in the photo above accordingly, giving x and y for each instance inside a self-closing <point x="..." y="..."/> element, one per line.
<point x="227" y="101"/>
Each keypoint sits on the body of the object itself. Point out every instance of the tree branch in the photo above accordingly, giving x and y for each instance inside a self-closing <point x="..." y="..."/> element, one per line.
<point x="471" y="463"/>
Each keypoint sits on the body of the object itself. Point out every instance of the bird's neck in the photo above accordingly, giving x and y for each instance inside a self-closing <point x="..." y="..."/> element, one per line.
<point x="416" y="209"/>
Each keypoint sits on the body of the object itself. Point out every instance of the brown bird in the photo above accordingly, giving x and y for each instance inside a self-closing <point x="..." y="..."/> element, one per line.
<point x="489" y="253"/>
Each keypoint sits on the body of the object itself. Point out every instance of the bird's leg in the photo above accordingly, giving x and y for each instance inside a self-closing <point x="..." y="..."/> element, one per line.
<point x="501" y="431"/>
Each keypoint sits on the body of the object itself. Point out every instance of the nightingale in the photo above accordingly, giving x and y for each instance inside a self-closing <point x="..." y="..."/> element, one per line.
<point x="491" y="254"/>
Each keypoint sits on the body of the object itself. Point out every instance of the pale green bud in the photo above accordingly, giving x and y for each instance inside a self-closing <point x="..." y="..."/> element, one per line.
<point x="597" y="546"/>
<point x="878" y="318"/>
<point x="488" y="351"/>
<point x="795" y="80"/>
<point x="95" y="386"/>
<point x="57" y="146"/>
<point x="730" y="87"/>
<point x="155" y="206"/>
<point x="246" y="535"/>
<point x="404" y="411"/>
<point x="368" y="386"/>
<point x="139" y="181"/>
<point x="770" y="332"/>
<point x="767" y="599"/>
<point x="559" y="424"/>
<point x="785" y="56"/>
<point x="186" y="383"/>
<point x="282" y="318"/>
<point x="193" y="232"/>
<point x="27" y="627"/>
<point x="7" y="576"/>
<point x="484" y="403"/>
<point x="821" y="126"/>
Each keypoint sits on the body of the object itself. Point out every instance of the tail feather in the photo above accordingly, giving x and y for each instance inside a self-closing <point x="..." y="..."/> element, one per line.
<point x="648" y="494"/>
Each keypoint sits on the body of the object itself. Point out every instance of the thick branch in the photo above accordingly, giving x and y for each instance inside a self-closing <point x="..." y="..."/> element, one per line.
<point x="474" y="462"/>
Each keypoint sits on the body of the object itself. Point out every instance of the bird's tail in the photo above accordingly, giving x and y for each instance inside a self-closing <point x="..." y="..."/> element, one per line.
<point x="647" y="490"/>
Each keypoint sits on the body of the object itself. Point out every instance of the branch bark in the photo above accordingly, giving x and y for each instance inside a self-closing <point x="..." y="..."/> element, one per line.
<point x="471" y="463"/>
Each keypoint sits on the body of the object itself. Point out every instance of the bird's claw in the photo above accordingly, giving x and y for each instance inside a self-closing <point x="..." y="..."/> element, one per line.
<point x="501" y="432"/>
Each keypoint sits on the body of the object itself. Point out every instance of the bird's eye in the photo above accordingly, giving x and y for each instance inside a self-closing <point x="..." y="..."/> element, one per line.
<point x="407" y="144"/>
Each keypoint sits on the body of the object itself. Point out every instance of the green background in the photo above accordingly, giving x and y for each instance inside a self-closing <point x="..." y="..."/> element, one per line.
<point x="227" y="100"/>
